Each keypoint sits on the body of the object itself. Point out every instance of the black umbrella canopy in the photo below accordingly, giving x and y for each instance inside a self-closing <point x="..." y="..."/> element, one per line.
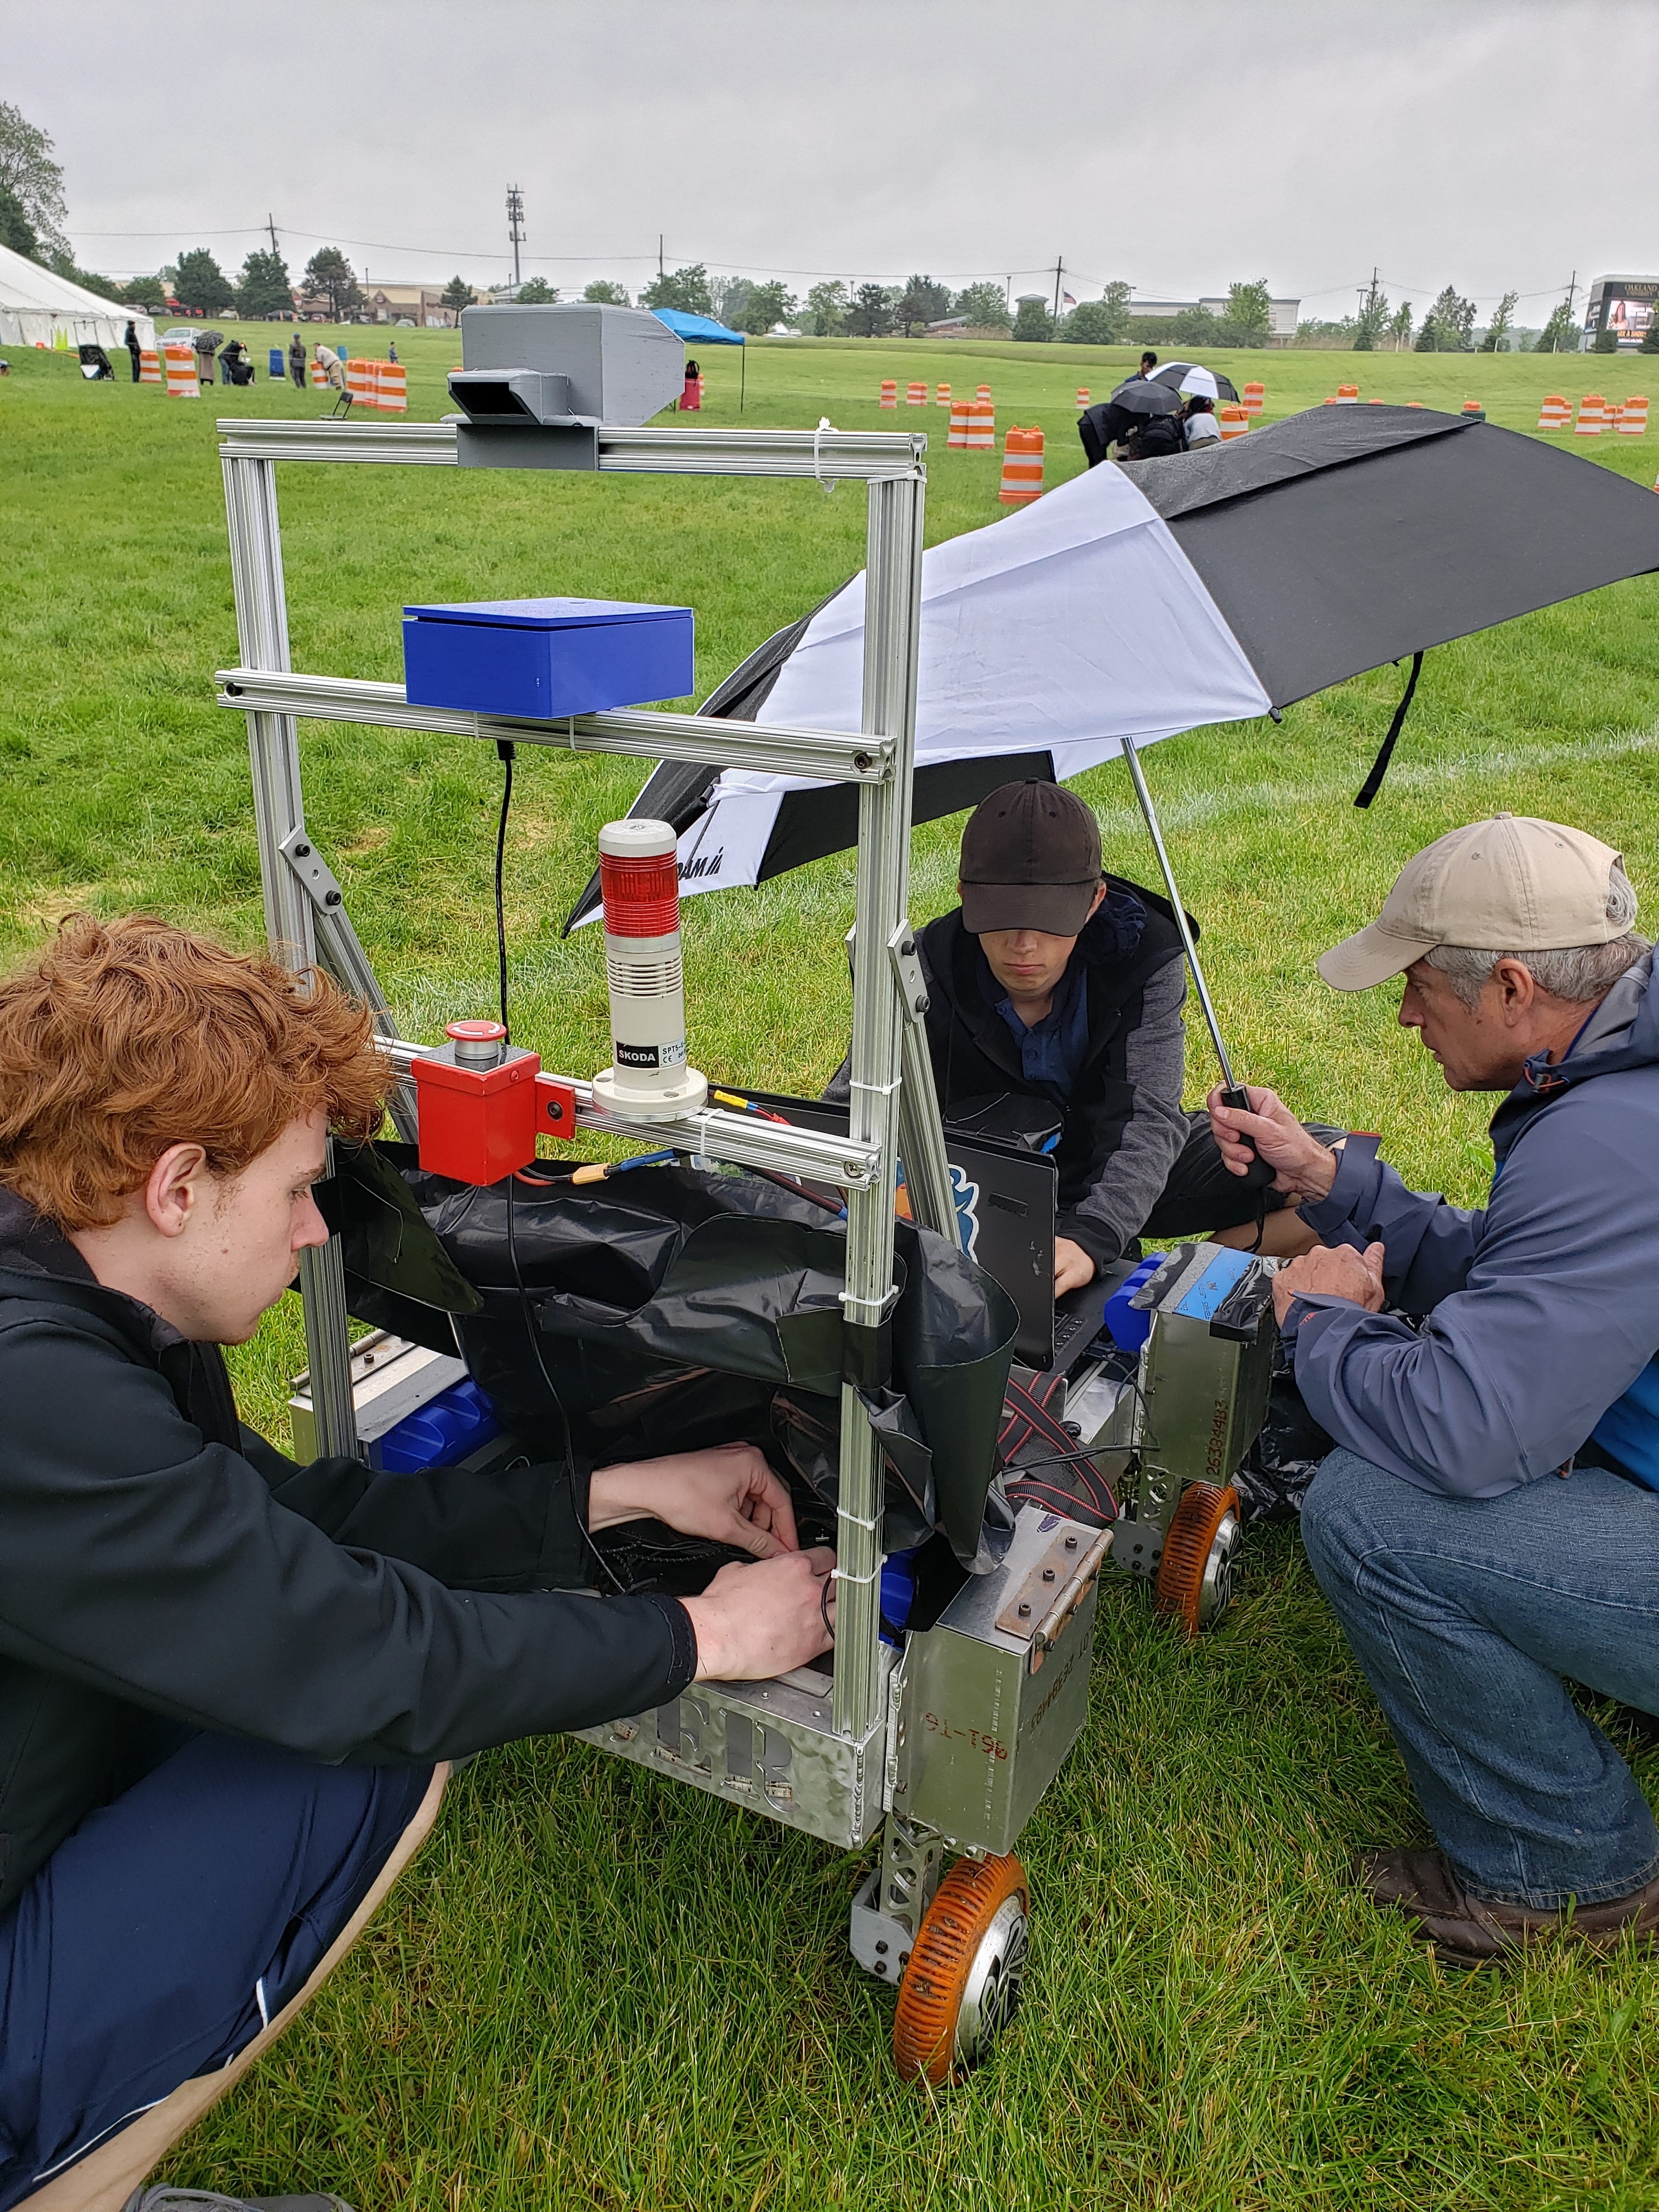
<point x="1173" y="371"/>
<point x="1145" y="395"/>
<point x="1344" y="537"/>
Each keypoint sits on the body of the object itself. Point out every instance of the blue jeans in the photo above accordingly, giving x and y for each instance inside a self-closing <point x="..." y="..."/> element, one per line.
<point x="1465" y="1615"/>
<point x="160" y="1937"/>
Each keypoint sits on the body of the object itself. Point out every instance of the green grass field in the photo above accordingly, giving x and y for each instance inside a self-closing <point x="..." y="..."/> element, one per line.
<point x="599" y="1990"/>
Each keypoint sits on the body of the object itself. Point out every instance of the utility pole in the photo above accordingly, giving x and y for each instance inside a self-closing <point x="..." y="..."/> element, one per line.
<point x="271" y="224"/>
<point x="1057" y="269"/>
<point x="1555" y="343"/>
<point x="515" y="226"/>
<point x="659" y="253"/>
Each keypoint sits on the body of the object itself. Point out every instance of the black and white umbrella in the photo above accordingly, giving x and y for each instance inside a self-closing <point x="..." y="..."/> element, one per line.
<point x="1140" y="601"/>
<point x="1174" y="375"/>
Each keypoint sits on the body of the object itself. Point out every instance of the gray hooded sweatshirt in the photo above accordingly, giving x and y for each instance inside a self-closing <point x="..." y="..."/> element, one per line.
<point x="1542" y="1308"/>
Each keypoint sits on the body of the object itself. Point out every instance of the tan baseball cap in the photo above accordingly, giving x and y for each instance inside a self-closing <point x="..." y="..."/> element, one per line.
<point x="1512" y="884"/>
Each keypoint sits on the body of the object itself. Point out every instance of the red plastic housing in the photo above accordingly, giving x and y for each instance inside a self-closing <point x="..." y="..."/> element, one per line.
<point x="555" y="1107"/>
<point x="477" y="1125"/>
<point x="641" y="893"/>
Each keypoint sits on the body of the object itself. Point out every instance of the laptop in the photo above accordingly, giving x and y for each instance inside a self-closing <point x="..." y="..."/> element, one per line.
<point x="1006" y="1196"/>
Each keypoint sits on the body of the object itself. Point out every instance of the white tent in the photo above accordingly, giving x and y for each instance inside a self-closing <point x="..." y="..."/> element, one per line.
<point x="35" y="305"/>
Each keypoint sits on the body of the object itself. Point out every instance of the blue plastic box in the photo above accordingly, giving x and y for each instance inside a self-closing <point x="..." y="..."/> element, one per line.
<point x="541" y="658"/>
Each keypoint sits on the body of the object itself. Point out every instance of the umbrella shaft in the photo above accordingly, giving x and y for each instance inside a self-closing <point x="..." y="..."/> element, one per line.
<point x="1145" y="797"/>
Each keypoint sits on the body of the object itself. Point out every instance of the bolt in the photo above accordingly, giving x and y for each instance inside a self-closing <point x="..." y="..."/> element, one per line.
<point x="1047" y="1574"/>
<point x="1024" y="1610"/>
<point x="331" y="898"/>
<point x="1071" y="1543"/>
<point x="862" y="761"/>
<point x="302" y="852"/>
<point x="881" y="1950"/>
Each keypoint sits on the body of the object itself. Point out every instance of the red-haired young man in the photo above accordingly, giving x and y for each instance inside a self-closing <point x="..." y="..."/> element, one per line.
<point x="229" y="1686"/>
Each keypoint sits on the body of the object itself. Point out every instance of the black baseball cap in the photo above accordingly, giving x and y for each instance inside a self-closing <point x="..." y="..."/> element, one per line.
<point x="1030" y="860"/>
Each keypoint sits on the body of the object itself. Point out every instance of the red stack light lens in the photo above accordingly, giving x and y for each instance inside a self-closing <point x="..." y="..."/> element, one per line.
<point x="641" y="895"/>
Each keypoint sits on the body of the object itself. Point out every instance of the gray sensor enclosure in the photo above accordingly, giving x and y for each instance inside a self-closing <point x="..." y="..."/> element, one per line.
<point x="536" y="383"/>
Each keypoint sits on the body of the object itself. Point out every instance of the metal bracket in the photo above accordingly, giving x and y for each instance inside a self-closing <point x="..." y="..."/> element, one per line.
<point x="316" y="879"/>
<point x="1137" y="1545"/>
<point x="890" y="1904"/>
<point x="907" y="968"/>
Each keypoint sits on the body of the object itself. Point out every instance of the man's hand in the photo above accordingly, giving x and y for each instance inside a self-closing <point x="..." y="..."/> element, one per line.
<point x="729" y="1493"/>
<point x="1301" y="1163"/>
<point x="1072" y="1267"/>
<point x="1333" y="1272"/>
<point x="754" y="1622"/>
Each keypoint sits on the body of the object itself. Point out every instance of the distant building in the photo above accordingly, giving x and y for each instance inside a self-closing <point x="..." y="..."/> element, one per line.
<point x="1624" y="304"/>
<point x="420" y="304"/>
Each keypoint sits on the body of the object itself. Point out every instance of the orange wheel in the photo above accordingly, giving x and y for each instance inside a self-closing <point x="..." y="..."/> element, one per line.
<point x="962" y="1982"/>
<point x="1196" y="1575"/>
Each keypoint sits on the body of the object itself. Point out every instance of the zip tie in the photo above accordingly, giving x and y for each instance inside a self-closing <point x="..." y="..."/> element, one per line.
<point x="878" y="1090"/>
<point x="862" y="1582"/>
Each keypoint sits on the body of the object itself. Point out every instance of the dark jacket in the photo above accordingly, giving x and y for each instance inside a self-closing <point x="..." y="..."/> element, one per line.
<point x="157" y="1560"/>
<point x="1543" y="1307"/>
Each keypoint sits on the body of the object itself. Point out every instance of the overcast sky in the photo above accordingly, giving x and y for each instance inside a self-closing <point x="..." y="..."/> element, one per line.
<point x="1479" y="142"/>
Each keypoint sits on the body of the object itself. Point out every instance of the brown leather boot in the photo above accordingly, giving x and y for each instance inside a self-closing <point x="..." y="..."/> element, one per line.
<point x="1478" y="1931"/>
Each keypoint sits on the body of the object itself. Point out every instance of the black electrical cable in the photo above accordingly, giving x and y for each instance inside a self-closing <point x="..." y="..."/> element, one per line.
<point x="505" y="752"/>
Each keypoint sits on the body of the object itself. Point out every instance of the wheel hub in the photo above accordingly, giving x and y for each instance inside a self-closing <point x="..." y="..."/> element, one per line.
<point x="996" y="1978"/>
<point x="1216" y="1591"/>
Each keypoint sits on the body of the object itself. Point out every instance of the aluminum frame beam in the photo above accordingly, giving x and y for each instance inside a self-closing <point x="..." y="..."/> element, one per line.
<point x="828" y="456"/>
<point x="717" y="1134"/>
<point x="830" y="756"/>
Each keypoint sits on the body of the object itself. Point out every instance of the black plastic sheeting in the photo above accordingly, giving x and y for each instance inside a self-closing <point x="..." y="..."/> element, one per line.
<point x="1336" y="547"/>
<point x="589" y="1302"/>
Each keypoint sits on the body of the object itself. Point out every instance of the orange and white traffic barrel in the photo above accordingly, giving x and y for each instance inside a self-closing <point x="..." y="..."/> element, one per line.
<point x="391" y="387"/>
<point x="319" y="376"/>
<point x="1555" y="412"/>
<point x="1612" y="415"/>
<point x="981" y="427"/>
<point x="150" y="367"/>
<point x="1256" y="397"/>
<point x="1021" y="467"/>
<point x="1347" y="395"/>
<point x="1590" y="408"/>
<point x="1083" y="395"/>
<point x="1634" y="421"/>
<point x="942" y="396"/>
<point x="915" y="395"/>
<point x="360" y="381"/>
<point x="1473" y="407"/>
<point x="1234" y="422"/>
<point x="182" y="379"/>
<point x="983" y="395"/>
<point x="890" y="391"/>
<point x="960" y="411"/>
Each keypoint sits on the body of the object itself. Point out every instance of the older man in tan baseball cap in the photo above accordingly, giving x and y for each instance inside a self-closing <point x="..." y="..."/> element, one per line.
<point x="1488" y="1529"/>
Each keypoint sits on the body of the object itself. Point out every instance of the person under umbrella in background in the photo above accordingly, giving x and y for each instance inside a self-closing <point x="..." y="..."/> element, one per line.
<point x="135" y="351"/>
<point x="1198" y="426"/>
<point x="296" y="361"/>
<point x="207" y="346"/>
<point x="1141" y="419"/>
<point x="1148" y="362"/>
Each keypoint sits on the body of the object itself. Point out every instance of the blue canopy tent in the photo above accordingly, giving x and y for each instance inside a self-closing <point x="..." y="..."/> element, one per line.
<point x="707" y="331"/>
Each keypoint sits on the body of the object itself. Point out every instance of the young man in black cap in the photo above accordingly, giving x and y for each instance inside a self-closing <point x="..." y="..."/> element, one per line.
<point x="1054" y="986"/>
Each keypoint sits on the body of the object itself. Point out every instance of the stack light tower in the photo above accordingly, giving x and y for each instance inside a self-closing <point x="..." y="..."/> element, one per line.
<point x="515" y="229"/>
